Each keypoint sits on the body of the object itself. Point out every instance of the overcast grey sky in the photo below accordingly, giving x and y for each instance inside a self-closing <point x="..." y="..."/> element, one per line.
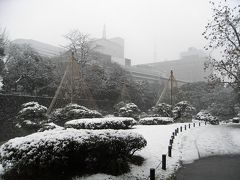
<point x="172" y="25"/>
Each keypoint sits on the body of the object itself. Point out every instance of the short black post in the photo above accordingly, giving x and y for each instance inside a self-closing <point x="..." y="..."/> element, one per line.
<point x="193" y="124"/>
<point x="152" y="174"/>
<point x="189" y="126"/>
<point x="164" y="161"/>
<point x="185" y="127"/>
<point x="177" y="130"/>
<point x="205" y="122"/>
<point x="173" y="134"/>
<point x="199" y="123"/>
<point x="170" y="151"/>
<point x="181" y="129"/>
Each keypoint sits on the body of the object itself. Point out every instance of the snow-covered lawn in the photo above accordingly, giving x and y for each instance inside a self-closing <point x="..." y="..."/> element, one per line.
<point x="188" y="146"/>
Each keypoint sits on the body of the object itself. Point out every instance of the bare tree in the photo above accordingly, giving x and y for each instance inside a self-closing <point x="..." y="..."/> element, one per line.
<point x="223" y="35"/>
<point x="79" y="46"/>
<point x="3" y="44"/>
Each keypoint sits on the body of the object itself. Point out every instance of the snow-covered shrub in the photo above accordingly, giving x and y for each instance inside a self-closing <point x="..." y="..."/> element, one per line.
<point x="129" y="110"/>
<point x="31" y="115"/>
<point x="204" y="115"/>
<point x="49" y="126"/>
<point x="183" y="111"/>
<point x="161" y="110"/>
<point x="155" y="120"/>
<point x="58" y="151"/>
<point x="72" y="111"/>
<point x="236" y="120"/>
<point x="101" y="123"/>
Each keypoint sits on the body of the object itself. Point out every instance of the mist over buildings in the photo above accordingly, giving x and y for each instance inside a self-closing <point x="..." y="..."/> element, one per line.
<point x="152" y="30"/>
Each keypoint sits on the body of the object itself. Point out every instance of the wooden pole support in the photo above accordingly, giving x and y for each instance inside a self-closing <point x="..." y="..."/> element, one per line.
<point x="169" y="151"/>
<point x="164" y="161"/>
<point x="152" y="174"/>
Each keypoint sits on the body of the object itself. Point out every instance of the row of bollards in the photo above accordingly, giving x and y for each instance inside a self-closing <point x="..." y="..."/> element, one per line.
<point x="164" y="158"/>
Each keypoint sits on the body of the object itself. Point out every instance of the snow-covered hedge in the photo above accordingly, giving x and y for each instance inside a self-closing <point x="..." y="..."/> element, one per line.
<point x="129" y="110"/>
<point x="72" y="111"/>
<point x="56" y="151"/>
<point x="161" y="110"/>
<point x="101" y="123"/>
<point x="183" y="111"/>
<point x="31" y="115"/>
<point x="155" y="120"/>
<point x="204" y="115"/>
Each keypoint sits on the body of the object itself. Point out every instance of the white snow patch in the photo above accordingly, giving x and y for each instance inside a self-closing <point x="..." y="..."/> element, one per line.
<point x="101" y="123"/>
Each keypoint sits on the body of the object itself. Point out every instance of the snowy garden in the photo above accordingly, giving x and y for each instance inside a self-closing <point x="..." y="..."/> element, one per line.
<point x="80" y="143"/>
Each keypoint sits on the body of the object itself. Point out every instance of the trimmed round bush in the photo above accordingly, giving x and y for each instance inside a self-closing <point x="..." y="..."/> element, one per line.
<point x="31" y="115"/>
<point x="183" y="111"/>
<point x="58" y="151"/>
<point x="102" y="123"/>
<point x="129" y="110"/>
<point x="155" y="120"/>
<point x="204" y="115"/>
<point x="161" y="110"/>
<point x="72" y="111"/>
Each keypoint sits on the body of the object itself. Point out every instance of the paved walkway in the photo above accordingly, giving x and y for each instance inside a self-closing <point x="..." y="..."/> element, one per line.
<point x="212" y="168"/>
<point x="218" y="151"/>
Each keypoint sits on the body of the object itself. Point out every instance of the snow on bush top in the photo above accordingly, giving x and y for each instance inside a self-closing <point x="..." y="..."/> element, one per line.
<point x="31" y="109"/>
<point x="183" y="109"/>
<point x="102" y="123"/>
<point x="205" y="116"/>
<point x="32" y="115"/>
<point x="38" y="149"/>
<point x="162" y="110"/>
<point x="155" y="120"/>
<point x="73" y="111"/>
<point x="129" y="110"/>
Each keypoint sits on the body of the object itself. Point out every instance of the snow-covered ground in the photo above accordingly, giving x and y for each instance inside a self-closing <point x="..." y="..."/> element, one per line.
<point x="188" y="146"/>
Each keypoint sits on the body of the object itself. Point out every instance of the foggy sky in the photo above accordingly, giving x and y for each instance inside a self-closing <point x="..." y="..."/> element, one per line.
<point x="172" y="25"/>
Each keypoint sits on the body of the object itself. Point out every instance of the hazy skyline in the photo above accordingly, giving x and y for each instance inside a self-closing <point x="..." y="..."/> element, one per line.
<point x="171" y="26"/>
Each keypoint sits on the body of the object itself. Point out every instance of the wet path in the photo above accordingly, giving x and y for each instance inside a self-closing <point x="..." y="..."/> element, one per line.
<point x="211" y="153"/>
<point x="211" y="168"/>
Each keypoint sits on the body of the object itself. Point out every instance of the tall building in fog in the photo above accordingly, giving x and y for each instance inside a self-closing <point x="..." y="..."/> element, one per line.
<point x="113" y="47"/>
<point x="189" y="68"/>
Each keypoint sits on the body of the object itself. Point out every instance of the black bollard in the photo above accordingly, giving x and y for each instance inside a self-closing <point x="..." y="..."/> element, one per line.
<point x="199" y="124"/>
<point x="193" y="124"/>
<point x="181" y="129"/>
<point x="185" y="127"/>
<point x="152" y="174"/>
<point x="205" y="122"/>
<point x="189" y="126"/>
<point x="164" y="161"/>
<point x="170" y="151"/>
